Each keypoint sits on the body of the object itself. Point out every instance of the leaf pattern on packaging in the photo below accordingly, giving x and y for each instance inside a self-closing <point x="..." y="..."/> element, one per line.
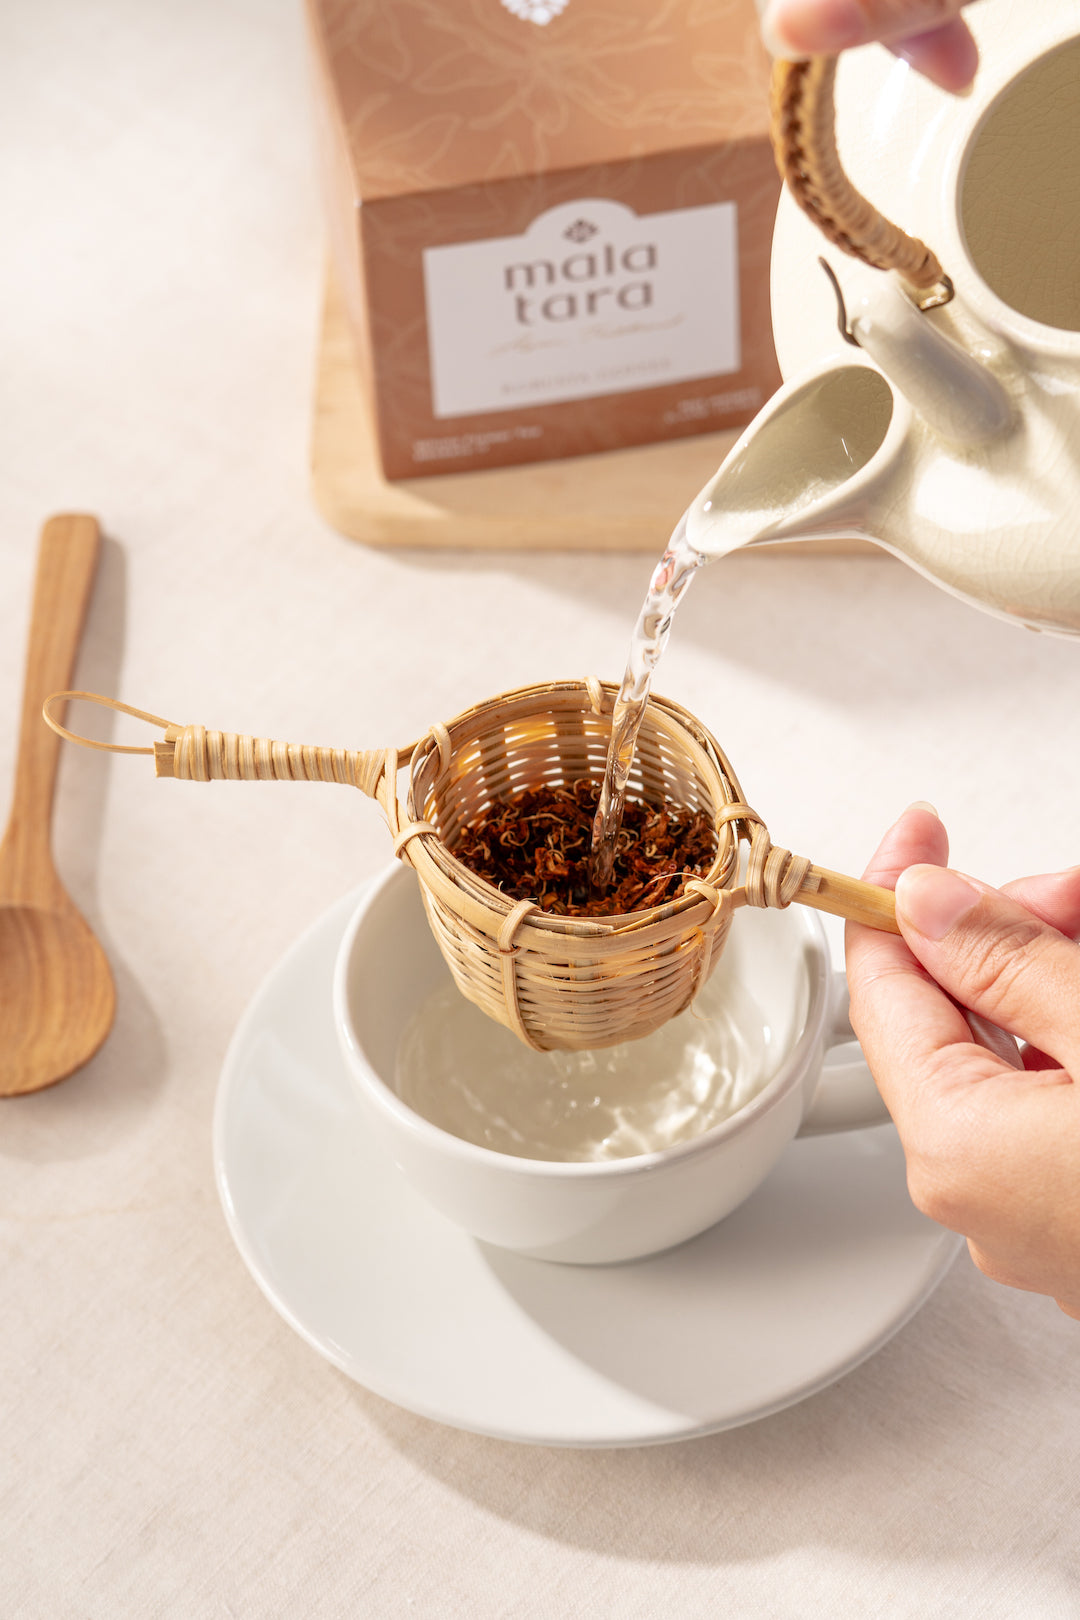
<point x="540" y="12"/>
<point x="459" y="92"/>
<point x="449" y="121"/>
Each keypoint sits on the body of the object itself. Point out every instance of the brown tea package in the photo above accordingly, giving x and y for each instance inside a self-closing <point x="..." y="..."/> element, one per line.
<point x="550" y="220"/>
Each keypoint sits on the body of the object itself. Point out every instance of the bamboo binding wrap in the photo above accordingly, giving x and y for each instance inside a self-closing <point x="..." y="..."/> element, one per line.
<point x="557" y="982"/>
<point x="803" y="130"/>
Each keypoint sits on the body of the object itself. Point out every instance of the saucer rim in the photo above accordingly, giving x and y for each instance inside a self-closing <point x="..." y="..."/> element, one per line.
<point x="669" y="1427"/>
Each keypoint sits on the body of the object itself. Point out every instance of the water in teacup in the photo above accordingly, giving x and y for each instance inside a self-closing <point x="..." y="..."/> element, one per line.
<point x="472" y="1077"/>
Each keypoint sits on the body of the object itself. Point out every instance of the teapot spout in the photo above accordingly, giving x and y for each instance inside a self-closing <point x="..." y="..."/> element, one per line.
<point x="816" y="463"/>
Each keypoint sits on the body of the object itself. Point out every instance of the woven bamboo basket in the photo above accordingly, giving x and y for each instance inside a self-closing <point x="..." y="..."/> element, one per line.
<point x="557" y="982"/>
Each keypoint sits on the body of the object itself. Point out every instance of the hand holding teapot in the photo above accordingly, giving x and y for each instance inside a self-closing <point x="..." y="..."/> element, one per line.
<point x="932" y="400"/>
<point x="931" y="37"/>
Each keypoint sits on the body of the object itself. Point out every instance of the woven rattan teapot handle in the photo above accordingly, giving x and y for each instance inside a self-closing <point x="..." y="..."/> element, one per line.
<point x="803" y="130"/>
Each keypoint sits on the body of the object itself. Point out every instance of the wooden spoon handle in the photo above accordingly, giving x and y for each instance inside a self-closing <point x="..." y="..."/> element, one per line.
<point x="849" y="897"/>
<point x="67" y="559"/>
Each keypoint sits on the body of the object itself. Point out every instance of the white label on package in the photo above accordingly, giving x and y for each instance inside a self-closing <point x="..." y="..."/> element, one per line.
<point x="593" y="299"/>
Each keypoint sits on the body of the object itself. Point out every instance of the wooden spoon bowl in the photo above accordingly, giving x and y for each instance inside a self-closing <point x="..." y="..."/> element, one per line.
<point x="57" y="997"/>
<point x="57" y="994"/>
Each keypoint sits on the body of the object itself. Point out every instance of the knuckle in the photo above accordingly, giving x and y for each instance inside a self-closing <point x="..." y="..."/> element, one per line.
<point x="935" y="1195"/>
<point x="992" y="965"/>
<point x="998" y="1270"/>
<point x="944" y="1164"/>
<point x="870" y="984"/>
<point x="936" y="1189"/>
<point x="986" y="1263"/>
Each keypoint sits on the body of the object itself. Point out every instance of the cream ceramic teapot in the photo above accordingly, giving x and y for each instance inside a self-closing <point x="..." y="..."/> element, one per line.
<point x="943" y="423"/>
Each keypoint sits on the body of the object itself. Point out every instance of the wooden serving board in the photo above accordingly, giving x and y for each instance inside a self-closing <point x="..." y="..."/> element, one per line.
<point x="624" y="500"/>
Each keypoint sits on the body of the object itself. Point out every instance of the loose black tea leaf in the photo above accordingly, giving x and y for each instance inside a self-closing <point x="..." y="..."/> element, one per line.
<point x="538" y="846"/>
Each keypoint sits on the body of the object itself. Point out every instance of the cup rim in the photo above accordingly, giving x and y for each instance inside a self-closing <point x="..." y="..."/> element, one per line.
<point x="367" y="1079"/>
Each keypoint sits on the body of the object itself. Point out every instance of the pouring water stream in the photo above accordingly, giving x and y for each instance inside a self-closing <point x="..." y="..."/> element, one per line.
<point x="762" y="489"/>
<point x="671" y="579"/>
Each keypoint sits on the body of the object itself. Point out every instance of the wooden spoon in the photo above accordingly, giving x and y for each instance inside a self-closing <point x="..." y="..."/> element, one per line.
<point x="56" y="991"/>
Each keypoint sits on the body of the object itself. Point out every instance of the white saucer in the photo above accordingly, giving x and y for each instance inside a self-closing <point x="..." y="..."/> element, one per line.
<point x="822" y="1266"/>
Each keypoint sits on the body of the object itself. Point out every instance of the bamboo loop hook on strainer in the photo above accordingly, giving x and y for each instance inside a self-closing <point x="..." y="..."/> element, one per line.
<point x="803" y="131"/>
<point x="557" y="982"/>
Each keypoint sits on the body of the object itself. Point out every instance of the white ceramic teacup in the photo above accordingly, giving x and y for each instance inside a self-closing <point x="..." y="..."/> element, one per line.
<point x="615" y="1209"/>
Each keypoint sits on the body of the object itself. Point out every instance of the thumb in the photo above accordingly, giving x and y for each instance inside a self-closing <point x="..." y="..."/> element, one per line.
<point x="994" y="957"/>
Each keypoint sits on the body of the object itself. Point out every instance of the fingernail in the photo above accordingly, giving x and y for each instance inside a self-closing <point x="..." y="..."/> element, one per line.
<point x="813" y="27"/>
<point x="931" y="899"/>
<point x="921" y="804"/>
<point x="777" y="47"/>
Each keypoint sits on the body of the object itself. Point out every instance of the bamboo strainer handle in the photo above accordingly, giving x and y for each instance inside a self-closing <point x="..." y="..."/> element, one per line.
<point x="850" y="898"/>
<point x="776" y="877"/>
<point x="847" y="897"/>
<point x="193" y="753"/>
<point x="803" y="131"/>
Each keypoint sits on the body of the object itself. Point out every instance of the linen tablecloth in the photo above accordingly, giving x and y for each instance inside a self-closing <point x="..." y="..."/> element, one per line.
<point x="170" y="1447"/>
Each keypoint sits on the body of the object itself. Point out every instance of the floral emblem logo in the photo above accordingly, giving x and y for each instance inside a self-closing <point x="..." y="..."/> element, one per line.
<point x="536" y="11"/>
<point x="580" y="231"/>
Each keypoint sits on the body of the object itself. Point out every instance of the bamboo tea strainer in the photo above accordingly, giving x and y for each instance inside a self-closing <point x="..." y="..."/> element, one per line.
<point x="557" y="982"/>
